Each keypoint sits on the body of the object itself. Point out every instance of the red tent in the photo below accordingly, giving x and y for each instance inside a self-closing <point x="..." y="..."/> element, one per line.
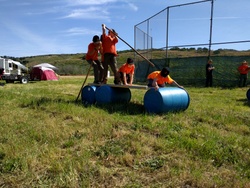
<point x="43" y="73"/>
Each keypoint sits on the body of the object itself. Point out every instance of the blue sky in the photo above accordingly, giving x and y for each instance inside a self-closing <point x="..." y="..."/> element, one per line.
<point x="35" y="27"/>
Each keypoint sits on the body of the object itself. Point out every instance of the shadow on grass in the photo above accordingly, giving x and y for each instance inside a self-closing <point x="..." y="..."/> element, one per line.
<point x="124" y="108"/>
<point x="131" y="108"/>
<point x="245" y="102"/>
<point x="43" y="100"/>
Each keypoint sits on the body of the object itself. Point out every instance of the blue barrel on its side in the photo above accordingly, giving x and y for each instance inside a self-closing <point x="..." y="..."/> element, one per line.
<point x="107" y="94"/>
<point x="248" y="94"/>
<point x="167" y="99"/>
<point x="88" y="95"/>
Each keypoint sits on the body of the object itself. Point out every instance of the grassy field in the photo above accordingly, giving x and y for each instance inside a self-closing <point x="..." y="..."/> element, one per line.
<point x="49" y="140"/>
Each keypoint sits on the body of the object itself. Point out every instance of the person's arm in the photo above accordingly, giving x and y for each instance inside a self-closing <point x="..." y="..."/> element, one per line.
<point x="211" y="68"/>
<point x="103" y="29"/>
<point x="175" y="83"/>
<point x="124" y="78"/>
<point x="100" y="48"/>
<point x="131" y="78"/>
<point x="154" y="84"/>
<point x="116" y="38"/>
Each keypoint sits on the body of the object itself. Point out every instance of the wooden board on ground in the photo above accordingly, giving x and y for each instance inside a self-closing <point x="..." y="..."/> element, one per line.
<point x="121" y="86"/>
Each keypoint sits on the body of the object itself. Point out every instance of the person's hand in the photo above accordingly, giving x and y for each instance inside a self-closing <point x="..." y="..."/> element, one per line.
<point x="156" y="88"/>
<point x="103" y="26"/>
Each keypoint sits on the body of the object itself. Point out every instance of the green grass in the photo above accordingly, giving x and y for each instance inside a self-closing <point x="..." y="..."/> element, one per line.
<point x="49" y="140"/>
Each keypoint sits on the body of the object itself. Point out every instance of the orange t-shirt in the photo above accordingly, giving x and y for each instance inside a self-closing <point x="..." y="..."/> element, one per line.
<point x="128" y="69"/>
<point x="159" y="79"/>
<point x="108" y="44"/>
<point x="243" y="69"/>
<point x="94" y="56"/>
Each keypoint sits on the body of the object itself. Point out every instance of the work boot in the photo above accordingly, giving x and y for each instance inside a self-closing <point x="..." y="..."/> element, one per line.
<point x="97" y="82"/>
<point x="104" y="81"/>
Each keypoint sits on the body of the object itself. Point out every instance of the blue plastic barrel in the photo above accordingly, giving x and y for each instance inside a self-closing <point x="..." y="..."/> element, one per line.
<point x="88" y="95"/>
<point x="107" y="94"/>
<point x="248" y="94"/>
<point x="167" y="99"/>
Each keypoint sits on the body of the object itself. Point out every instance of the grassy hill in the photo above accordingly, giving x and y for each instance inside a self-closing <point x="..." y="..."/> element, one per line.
<point x="74" y="64"/>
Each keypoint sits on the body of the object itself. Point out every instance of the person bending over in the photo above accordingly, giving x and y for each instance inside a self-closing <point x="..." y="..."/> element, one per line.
<point x="126" y="72"/>
<point x="92" y="58"/>
<point x="158" y="79"/>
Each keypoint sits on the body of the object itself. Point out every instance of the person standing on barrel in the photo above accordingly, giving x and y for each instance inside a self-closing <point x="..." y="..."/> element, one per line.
<point x="109" y="53"/>
<point x="158" y="79"/>
<point x="92" y="58"/>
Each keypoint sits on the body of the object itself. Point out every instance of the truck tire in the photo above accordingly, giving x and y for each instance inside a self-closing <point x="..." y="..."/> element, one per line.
<point x="24" y="80"/>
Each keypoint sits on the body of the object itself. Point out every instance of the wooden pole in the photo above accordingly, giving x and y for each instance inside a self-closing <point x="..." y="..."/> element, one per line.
<point x="131" y="47"/>
<point x="84" y="81"/>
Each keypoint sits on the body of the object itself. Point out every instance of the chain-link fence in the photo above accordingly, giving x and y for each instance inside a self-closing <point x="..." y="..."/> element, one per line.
<point x="181" y="26"/>
<point x="192" y="70"/>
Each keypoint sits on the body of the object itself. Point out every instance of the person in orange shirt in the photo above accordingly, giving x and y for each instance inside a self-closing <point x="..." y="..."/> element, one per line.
<point x="92" y="58"/>
<point x="158" y="79"/>
<point x="127" y="71"/>
<point x="243" y="70"/>
<point x="109" y="52"/>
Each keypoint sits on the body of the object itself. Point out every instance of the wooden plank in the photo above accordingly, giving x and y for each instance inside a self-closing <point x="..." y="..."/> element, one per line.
<point x="121" y="86"/>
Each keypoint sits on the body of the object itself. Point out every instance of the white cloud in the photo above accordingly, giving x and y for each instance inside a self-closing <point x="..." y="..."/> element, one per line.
<point x="133" y="7"/>
<point x="89" y="13"/>
<point x="89" y="2"/>
<point x="97" y="12"/>
<point x="81" y="31"/>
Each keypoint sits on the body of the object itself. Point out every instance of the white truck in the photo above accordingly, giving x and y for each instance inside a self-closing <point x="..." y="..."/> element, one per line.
<point x="13" y="71"/>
